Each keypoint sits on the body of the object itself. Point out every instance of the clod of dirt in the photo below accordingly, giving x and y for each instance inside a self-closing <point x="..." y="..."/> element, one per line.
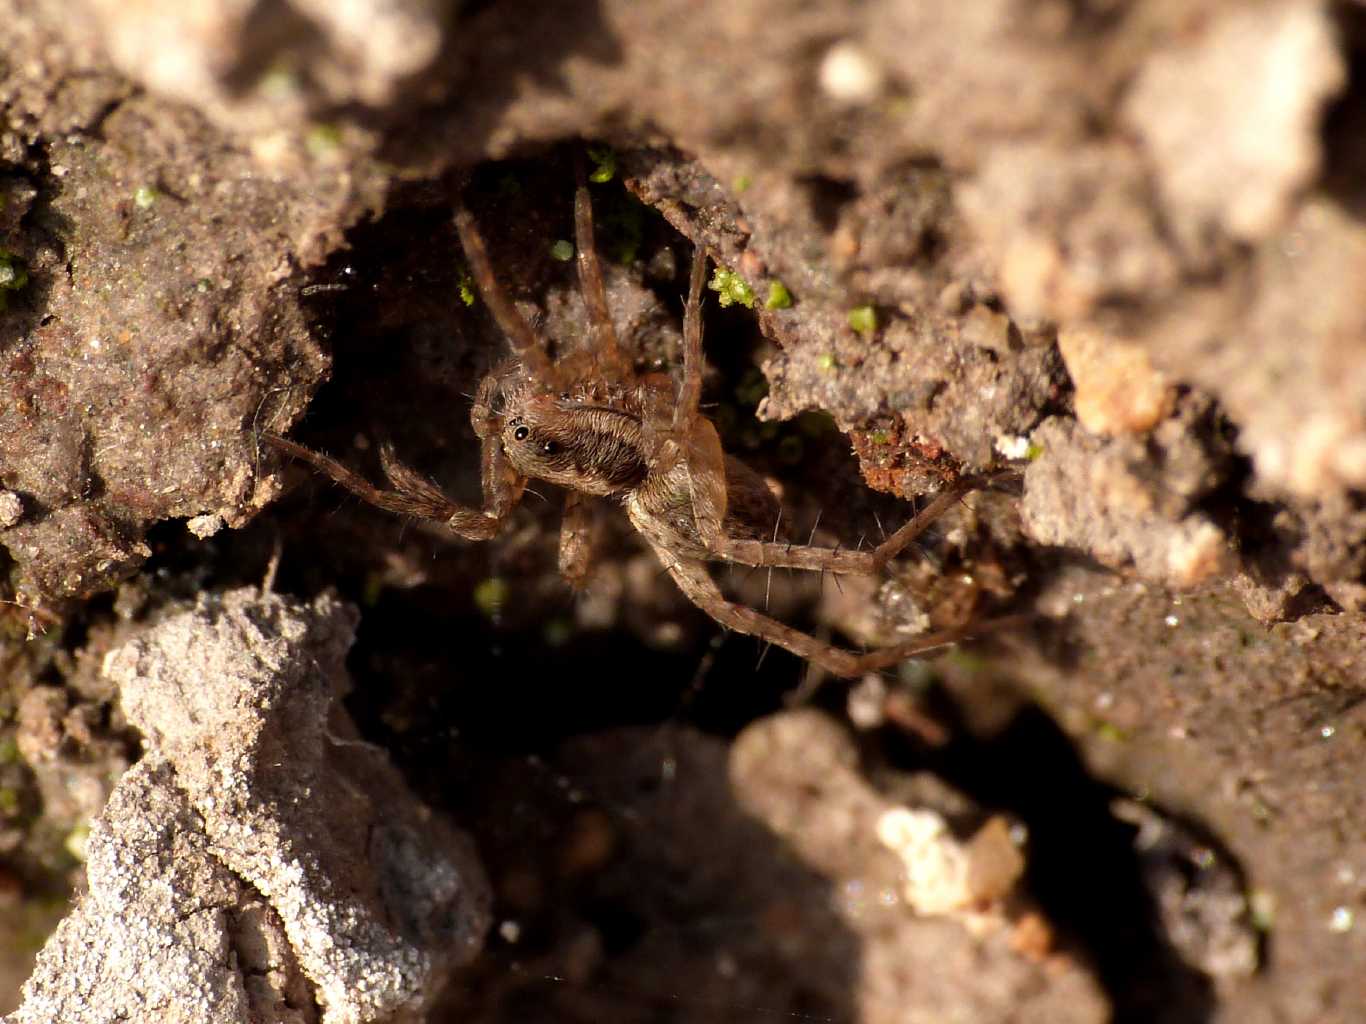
<point x="257" y="825"/>
<point x="1230" y="118"/>
<point x="151" y="321"/>
<point x="1108" y="497"/>
<point x="155" y="936"/>
<point x="797" y="772"/>
<point x="11" y="509"/>
<point x="1118" y="389"/>
<point x="268" y="64"/>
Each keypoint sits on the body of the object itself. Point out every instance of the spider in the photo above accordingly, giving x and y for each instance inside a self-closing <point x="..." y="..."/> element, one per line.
<point x="587" y="422"/>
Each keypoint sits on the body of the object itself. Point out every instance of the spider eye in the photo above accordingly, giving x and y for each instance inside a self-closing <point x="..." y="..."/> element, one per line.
<point x="550" y="447"/>
<point x="521" y="433"/>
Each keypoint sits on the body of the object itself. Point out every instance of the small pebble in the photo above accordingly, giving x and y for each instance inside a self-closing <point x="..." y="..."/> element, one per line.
<point x="850" y="74"/>
<point x="11" y="509"/>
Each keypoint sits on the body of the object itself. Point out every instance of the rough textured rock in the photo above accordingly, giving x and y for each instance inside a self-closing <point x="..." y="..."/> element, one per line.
<point x="797" y="772"/>
<point x="260" y="863"/>
<point x="1229" y="118"/>
<point x="1110" y="498"/>
<point x="158" y="936"/>
<point x="160" y="323"/>
<point x="1117" y="389"/>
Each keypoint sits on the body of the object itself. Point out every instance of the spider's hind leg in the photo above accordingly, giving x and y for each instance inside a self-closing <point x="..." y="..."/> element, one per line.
<point x="693" y="579"/>
<point x="762" y="553"/>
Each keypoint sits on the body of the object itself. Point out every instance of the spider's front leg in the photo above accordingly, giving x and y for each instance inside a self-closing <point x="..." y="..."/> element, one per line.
<point x="412" y="494"/>
<point x="576" y="539"/>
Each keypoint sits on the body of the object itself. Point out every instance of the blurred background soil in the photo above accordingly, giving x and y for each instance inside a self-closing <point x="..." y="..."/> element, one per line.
<point x="1116" y="247"/>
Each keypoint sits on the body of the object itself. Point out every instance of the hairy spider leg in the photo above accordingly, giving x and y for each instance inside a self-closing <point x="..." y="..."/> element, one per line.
<point x="695" y="581"/>
<point x="413" y="494"/>
<point x="693" y="434"/>
<point x="526" y="345"/>
<point x="607" y="357"/>
<point x="576" y="539"/>
<point x="706" y="467"/>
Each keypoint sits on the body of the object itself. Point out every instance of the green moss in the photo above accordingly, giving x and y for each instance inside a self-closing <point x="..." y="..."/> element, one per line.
<point x="490" y="595"/>
<point x="863" y="319"/>
<point x="372" y="590"/>
<point x="13" y="276"/>
<point x="778" y="296"/>
<point x="742" y="182"/>
<point x="816" y="425"/>
<point x="917" y="676"/>
<point x="77" y="842"/>
<point x="790" y="450"/>
<point x="558" y="632"/>
<point x="9" y="750"/>
<point x="880" y="437"/>
<point x="752" y="388"/>
<point x="465" y="285"/>
<point x="9" y="802"/>
<point x="279" y="84"/>
<point x="621" y="223"/>
<point x="731" y="288"/>
<point x="1033" y="451"/>
<point x="966" y="661"/>
<point x="1110" y="732"/>
<point x="562" y="249"/>
<point x="323" y="140"/>
<point x="604" y="164"/>
<point x="826" y="361"/>
<point x="145" y="197"/>
<point x="1262" y="908"/>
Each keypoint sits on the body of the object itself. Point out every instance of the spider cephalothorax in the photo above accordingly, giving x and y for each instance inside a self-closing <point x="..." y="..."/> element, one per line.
<point x="584" y="439"/>
<point x="590" y="424"/>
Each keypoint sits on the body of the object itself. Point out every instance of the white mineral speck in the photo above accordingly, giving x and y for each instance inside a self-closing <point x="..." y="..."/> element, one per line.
<point x="205" y="526"/>
<point x="936" y="866"/>
<point x="850" y="74"/>
<point x="1013" y="446"/>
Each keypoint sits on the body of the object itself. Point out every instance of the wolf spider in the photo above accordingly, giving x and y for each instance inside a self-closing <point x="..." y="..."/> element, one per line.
<point x="588" y="422"/>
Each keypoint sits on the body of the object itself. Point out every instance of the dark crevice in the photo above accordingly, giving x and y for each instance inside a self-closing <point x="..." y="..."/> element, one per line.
<point x="1344" y="123"/>
<point x="298" y="993"/>
<point x="828" y="197"/>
